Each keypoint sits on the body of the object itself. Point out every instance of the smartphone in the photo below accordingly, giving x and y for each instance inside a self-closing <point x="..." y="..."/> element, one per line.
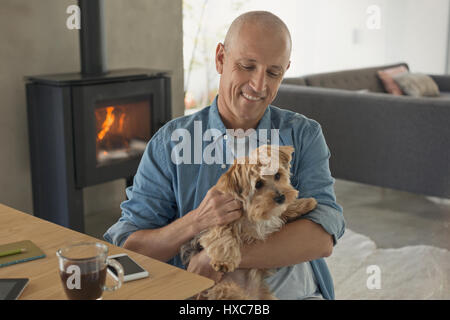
<point x="11" y="289"/>
<point x="131" y="270"/>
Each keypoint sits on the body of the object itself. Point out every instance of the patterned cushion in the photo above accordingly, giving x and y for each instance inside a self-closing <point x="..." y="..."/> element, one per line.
<point x="417" y="85"/>
<point x="386" y="76"/>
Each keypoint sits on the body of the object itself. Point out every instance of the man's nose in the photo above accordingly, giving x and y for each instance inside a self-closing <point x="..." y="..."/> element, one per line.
<point x="258" y="82"/>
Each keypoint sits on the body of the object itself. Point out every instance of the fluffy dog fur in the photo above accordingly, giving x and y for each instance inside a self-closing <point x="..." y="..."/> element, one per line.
<point x="269" y="201"/>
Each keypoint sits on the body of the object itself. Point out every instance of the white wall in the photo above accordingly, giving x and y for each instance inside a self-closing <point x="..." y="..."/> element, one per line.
<point x="333" y="35"/>
<point x="337" y="37"/>
<point x="417" y="32"/>
<point x="414" y="31"/>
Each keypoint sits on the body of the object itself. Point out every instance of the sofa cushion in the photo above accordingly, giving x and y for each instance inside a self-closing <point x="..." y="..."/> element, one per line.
<point x="387" y="77"/>
<point x="356" y="79"/>
<point x="300" y="81"/>
<point x="417" y="85"/>
<point x="444" y="95"/>
<point x="442" y="81"/>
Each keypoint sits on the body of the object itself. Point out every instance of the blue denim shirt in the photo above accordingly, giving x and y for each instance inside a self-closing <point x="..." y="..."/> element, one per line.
<point x="164" y="190"/>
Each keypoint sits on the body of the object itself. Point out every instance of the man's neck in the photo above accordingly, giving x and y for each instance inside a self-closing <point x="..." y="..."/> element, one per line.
<point x="232" y="122"/>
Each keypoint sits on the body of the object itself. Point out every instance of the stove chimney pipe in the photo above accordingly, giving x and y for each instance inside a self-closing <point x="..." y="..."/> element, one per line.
<point x="92" y="40"/>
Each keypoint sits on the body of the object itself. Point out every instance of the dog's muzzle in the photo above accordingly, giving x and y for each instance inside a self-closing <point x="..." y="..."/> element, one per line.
<point x="279" y="199"/>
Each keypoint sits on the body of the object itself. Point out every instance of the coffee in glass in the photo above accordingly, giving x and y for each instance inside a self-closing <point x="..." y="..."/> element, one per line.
<point x="82" y="268"/>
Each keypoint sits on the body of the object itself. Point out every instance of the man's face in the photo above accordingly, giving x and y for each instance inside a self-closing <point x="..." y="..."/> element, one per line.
<point x="251" y="72"/>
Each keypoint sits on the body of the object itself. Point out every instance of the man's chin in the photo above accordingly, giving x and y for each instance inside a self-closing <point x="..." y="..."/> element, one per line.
<point x="249" y="115"/>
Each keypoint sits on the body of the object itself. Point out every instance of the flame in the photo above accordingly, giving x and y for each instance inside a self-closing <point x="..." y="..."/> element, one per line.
<point x="107" y="123"/>
<point x="122" y="117"/>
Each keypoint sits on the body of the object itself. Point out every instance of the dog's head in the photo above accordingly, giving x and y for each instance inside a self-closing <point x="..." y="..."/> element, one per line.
<point x="262" y="182"/>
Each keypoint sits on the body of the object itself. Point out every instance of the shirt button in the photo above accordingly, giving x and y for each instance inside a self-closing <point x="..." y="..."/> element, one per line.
<point x="268" y="140"/>
<point x="223" y="166"/>
<point x="225" y="137"/>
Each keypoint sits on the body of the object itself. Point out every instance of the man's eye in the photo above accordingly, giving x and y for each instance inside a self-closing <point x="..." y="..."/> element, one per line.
<point x="246" y="67"/>
<point x="259" y="184"/>
<point x="274" y="75"/>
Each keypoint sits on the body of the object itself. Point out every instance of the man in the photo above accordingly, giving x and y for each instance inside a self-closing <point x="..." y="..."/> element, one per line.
<point x="171" y="201"/>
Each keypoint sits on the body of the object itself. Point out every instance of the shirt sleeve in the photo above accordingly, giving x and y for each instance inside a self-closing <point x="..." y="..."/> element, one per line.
<point x="313" y="179"/>
<point x="151" y="200"/>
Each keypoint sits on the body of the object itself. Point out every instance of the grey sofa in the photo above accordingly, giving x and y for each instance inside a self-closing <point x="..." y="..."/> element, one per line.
<point x="398" y="142"/>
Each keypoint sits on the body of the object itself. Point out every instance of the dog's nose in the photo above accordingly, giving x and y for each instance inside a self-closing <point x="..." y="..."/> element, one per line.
<point x="279" y="199"/>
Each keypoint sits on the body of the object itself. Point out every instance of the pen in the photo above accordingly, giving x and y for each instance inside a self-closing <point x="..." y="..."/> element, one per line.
<point x="11" y="252"/>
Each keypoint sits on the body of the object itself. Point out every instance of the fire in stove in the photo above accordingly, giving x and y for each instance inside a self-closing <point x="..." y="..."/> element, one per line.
<point x="122" y="131"/>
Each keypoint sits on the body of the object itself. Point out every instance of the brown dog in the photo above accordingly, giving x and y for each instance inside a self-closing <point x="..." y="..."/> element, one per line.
<point x="262" y="183"/>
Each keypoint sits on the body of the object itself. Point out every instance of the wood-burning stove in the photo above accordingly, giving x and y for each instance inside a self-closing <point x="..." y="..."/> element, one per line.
<point x="90" y="127"/>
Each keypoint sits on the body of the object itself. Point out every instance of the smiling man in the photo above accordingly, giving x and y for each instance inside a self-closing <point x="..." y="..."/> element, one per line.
<point x="252" y="62"/>
<point x="170" y="202"/>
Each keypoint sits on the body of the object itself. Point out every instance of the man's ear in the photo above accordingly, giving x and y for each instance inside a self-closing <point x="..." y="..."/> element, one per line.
<point x="220" y="53"/>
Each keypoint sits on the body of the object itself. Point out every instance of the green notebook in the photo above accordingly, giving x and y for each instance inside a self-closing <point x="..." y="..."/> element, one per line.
<point x="32" y="252"/>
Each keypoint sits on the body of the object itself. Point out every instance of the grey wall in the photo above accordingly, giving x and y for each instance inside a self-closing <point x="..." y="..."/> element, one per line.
<point x="34" y="40"/>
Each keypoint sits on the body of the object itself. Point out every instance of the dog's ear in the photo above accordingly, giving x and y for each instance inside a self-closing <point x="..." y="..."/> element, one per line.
<point x="234" y="181"/>
<point x="285" y="156"/>
<point x="271" y="157"/>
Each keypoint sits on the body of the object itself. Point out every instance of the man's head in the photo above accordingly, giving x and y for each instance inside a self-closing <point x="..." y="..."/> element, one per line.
<point x="252" y="62"/>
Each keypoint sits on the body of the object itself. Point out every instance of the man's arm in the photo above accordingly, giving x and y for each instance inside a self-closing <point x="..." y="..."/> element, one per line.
<point x="299" y="241"/>
<point x="314" y="180"/>
<point x="151" y="204"/>
<point x="164" y="243"/>
<point x="149" y="223"/>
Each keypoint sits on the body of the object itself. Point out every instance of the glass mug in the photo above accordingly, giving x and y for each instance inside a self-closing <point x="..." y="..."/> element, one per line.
<point x="82" y="267"/>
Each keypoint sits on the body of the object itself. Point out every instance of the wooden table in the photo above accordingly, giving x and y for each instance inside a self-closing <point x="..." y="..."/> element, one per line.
<point x="165" y="281"/>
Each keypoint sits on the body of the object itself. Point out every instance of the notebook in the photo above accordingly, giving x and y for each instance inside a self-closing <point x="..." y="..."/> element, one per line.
<point x="32" y="252"/>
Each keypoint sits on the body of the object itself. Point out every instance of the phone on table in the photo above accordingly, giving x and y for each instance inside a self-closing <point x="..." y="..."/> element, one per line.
<point x="131" y="270"/>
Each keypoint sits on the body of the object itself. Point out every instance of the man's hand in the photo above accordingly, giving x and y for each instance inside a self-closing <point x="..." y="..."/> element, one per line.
<point x="164" y="243"/>
<point x="200" y="264"/>
<point x="216" y="209"/>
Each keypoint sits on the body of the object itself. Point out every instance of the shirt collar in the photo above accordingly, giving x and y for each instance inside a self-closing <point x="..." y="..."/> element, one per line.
<point x="215" y="121"/>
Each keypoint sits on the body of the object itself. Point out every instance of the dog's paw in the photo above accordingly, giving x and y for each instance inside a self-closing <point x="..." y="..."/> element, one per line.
<point x="223" y="266"/>
<point x="299" y="207"/>
<point x="304" y="205"/>
<point x="310" y="204"/>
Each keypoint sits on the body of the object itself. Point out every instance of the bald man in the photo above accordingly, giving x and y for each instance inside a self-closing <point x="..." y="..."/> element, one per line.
<point x="171" y="199"/>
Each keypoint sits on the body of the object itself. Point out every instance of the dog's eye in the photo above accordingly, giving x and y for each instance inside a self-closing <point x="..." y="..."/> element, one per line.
<point x="277" y="176"/>
<point x="259" y="184"/>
